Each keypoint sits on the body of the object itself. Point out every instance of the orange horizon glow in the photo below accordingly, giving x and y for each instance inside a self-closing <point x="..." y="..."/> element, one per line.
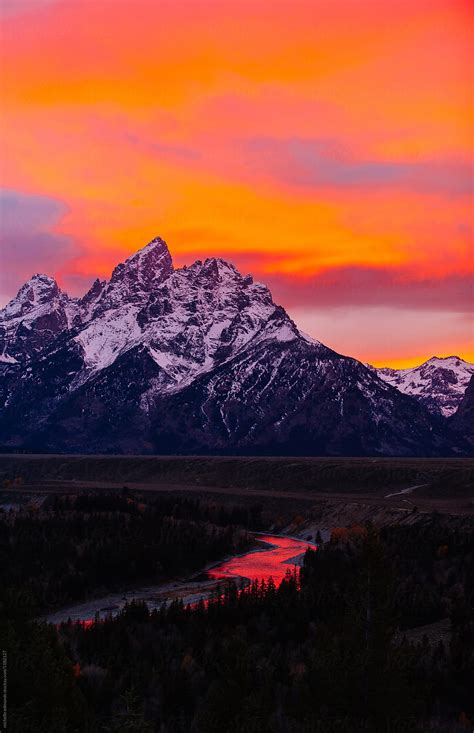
<point x="420" y="359"/>
<point x="325" y="146"/>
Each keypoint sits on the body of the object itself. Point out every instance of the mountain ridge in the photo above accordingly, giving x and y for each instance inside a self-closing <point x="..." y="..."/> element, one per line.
<point x="194" y="359"/>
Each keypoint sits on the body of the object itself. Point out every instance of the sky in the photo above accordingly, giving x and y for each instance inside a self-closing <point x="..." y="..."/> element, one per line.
<point x="325" y="146"/>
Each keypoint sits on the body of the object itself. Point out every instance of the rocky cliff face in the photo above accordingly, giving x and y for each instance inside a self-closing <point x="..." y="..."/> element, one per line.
<point x="32" y="320"/>
<point x="197" y="359"/>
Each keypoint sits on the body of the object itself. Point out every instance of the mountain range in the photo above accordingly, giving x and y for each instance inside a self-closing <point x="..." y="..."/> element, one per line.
<point x="201" y="360"/>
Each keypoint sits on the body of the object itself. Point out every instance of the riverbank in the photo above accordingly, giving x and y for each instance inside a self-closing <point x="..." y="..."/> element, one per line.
<point x="260" y="563"/>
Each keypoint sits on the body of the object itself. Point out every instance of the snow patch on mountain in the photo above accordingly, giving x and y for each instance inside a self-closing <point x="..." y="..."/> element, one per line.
<point x="5" y="359"/>
<point x="108" y="336"/>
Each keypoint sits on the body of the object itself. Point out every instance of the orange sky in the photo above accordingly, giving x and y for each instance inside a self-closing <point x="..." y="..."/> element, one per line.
<point x="325" y="146"/>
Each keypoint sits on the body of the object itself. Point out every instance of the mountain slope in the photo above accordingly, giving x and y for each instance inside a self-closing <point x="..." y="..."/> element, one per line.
<point x="284" y="396"/>
<point x="463" y="419"/>
<point x="305" y="399"/>
<point x="198" y="359"/>
<point x="439" y="383"/>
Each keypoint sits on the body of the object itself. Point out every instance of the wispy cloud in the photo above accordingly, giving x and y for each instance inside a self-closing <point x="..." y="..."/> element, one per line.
<point x="314" y="163"/>
<point x="28" y="243"/>
<point x="396" y="288"/>
<point x="160" y="148"/>
<point x="16" y="7"/>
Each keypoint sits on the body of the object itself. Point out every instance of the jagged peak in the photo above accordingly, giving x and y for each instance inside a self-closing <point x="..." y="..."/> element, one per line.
<point x="156" y="245"/>
<point x="41" y="277"/>
<point x="94" y="291"/>
<point x="150" y="264"/>
<point x="216" y="266"/>
<point x="451" y="358"/>
<point x="37" y="295"/>
<point x="219" y="262"/>
<point x="39" y="283"/>
<point x="37" y="289"/>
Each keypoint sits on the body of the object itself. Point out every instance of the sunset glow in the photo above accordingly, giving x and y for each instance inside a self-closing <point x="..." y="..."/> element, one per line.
<point x="286" y="554"/>
<point x="325" y="146"/>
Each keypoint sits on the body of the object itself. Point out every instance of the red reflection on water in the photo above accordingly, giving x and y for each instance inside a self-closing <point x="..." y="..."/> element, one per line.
<point x="262" y="565"/>
<point x="273" y="561"/>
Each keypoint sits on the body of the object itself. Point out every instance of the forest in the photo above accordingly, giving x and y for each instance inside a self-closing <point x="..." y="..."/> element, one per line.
<point x="76" y="547"/>
<point x="328" y="651"/>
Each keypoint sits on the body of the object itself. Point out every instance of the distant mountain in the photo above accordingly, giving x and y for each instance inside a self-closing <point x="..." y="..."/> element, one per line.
<point x="439" y="383"/>
<point x="191" y="360"/>
<point x="32" y="320"/>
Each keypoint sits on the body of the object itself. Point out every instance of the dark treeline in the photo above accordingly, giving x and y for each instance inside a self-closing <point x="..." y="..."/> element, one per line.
<point x="326" y="652"/>
<point x="77" y="547"/>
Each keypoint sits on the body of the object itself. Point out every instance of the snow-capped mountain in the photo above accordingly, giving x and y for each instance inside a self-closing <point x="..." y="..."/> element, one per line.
<point x="188" y="319"/>
<point x="197" y="359"/>
<point x="439" y="383"/>
<point x="34" y="318"/>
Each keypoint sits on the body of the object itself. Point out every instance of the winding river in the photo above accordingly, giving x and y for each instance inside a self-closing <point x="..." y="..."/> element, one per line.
<point x="273" y="559"/>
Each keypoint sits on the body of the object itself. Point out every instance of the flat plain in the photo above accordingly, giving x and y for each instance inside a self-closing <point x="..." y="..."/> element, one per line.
<point x="404" y="484"/>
